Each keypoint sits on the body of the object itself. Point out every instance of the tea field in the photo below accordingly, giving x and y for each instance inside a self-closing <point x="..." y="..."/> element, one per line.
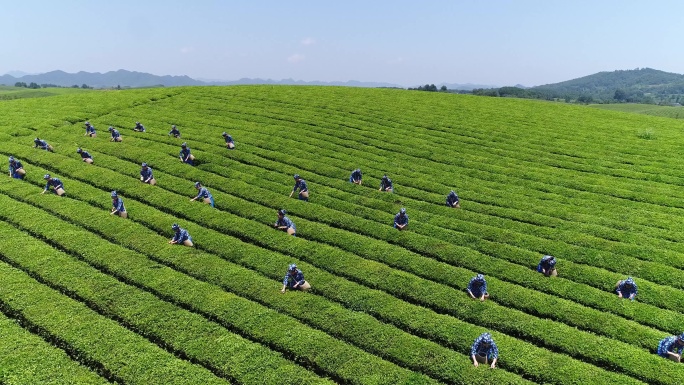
<point x="87" y="297"/>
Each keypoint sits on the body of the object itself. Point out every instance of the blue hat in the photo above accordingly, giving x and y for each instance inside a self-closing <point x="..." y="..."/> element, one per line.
<point x="137" y="122"/>
<point x="184" y="144"/>
<point x="282" y="212"/>
<point x="173" y="126"/>
<point x="144" y="164"/>
<point x="402" y="211"/>
<point x="681" y="337"/>
<point x="296" y="176"/>
<point x="114" y="194"/>
<point x="78" y="150"/>
<point x="224" y="134"/>
<point x="630" y="281"/>
<point x="175" y="226"/>
<point x="47" y="176"/>
<point x="479" y="277"/>
<point x="486" y="338"/>
<point x="291" y="267"/>
<point x="111" y="128"/>
<point x="87" y="123"/>
<point x="198" y="184"/>
<point x="11" y="159"/>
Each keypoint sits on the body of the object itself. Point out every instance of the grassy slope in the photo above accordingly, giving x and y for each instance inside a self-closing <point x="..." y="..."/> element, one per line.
<point x="647" y="109"/>
<point x="534" y="177"/>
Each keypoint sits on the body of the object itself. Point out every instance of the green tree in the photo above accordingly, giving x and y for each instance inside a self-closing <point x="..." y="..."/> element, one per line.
<point x="33" y="85"/>
<point x="620" y="95"/>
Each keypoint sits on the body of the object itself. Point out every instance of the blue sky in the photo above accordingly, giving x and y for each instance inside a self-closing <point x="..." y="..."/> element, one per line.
<point x="497" y="42"/>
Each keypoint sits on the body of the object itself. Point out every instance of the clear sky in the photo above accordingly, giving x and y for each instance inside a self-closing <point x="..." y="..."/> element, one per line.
<point x="405" y="42"/>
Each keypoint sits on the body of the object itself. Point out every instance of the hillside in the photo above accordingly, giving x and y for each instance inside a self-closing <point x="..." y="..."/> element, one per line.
<point x="646" y="85"/>
<point x="133" y="79"/>
<point x="637" y="85"/>
<point x="93" y="298"/>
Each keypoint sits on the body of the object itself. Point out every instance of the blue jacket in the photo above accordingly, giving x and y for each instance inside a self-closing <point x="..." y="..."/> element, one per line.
<point x="115" y="133"/>
<point x="451" y="199"/>
<point x="85" y="155"/>
<point x="285" y="221"/>
<point x="139" y="127"/>
<point x="301" y="185"/>
<point x="14" y="166"/>
<point x="90" y="129"/>
<point x="290" y="280"/>
<point x="477" y="287"/>
<point x="229" y="139"/>
<point x="174" y="131"/>
<point x="118" y="205"/>
<point x="401" y="219"/>
<point x="181" y="236"/>
<point x="667" y="344"/>
<point x="626" y="289"/>
<point x="356" y="176"/>
<point x="386" y="184"/>
<point x="55" y="183"/>
<point x="41" y="144"/>
<point x="203" y="193"/>
<point x="146" y="174"/>
<point x="184" y="154"/>
<point x="491" y="351"/>
<point x="546" y="263"/>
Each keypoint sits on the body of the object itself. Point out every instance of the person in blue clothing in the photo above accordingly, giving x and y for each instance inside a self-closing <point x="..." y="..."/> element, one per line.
<point x="85" y="155"/>
<point x="401" y="220"/>
<point x="90" y="130"/>
<point x="547" y="266"/>
<point x="294" y="279"/>
<point x="174" y="132"/>
<point x="185" y="156"/>
<point x="626" y="288"/>
<point x="43" y="145"/>
<point x="55" y="183"/>
<point x="300" y="184"/>
<point x="356" y="177"/>
<point x="16" y="169"/>
<point x="116" y="135"/>
<point x="146" y="175"/>
<point x="203" y="193"/>
<point x="230" y="144"/>
<point x="181" y="236"/>
<point x="452" y="200"/>
<point x="484" y="350"/>
<point x="284" y="223"/>
<point x="118" y="206"/>
<point x="477" y="288"/>
<point x="671" y="347"/>
<point x="386" y="184"/>
<point x="139" y="127"/>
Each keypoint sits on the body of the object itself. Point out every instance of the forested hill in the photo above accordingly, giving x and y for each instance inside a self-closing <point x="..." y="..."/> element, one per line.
<point x="645" y="85"/>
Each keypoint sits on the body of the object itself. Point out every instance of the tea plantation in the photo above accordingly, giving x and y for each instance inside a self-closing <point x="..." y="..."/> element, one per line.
<point x="88" y="297"/>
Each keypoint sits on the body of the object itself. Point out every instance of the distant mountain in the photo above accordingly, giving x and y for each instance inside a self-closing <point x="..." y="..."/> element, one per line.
<point x="465" y="87"/>
<point x="18" y="74"/>
<point x="644" y="85"/>
<point x="631" y="85"/>
<point x="349" y="83"/>
<point x="121" y="78"/>
<point x="125" y="78"/>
